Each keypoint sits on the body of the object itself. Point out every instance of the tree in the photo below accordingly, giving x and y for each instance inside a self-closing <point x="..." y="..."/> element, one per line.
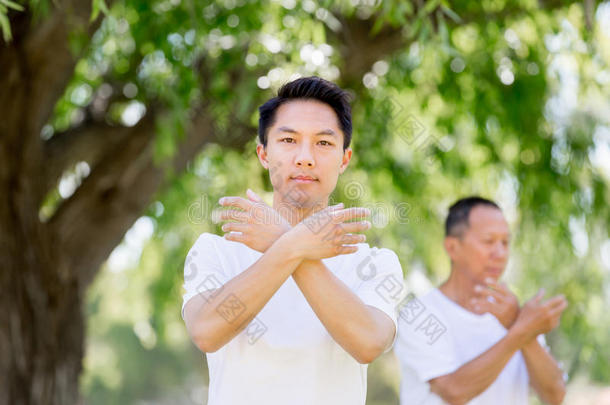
<point x="120" y="101"/>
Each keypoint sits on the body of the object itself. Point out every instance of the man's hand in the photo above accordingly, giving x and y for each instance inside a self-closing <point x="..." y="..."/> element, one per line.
<point x="256" y="225"/>
<point x="538" y="317"/>
<point x="498" y="300"/>
<point x="327" y="233"/>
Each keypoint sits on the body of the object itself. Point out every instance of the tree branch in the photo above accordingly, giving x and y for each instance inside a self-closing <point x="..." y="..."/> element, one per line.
<point x="94" y="219"/>
<point x="35" y="69"/>
<point x="360" y="48"/>
<point x="89" y="143"/>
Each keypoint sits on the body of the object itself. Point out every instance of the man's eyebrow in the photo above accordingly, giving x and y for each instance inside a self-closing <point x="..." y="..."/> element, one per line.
<point x="327" y="131"/>
<point x="494" y="234"/>
<point x="287" y="129"/>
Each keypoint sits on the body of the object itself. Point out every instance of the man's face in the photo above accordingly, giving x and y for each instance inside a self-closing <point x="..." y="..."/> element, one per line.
<point x="304" y="153"/>
<point x="483" y="249"/>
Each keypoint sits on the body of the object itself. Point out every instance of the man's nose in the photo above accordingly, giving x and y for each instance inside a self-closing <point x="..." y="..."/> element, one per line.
<point x="304" y="157"/>
<point x="500" y="250"/>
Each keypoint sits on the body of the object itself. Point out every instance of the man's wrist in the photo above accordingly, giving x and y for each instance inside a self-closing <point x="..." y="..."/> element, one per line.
<point x="287" y="243"/>
<point x="307" y="266"/>
<point x="531" y="344"/>
<point x="514" y="319"/>
<point x="518" y="335"/>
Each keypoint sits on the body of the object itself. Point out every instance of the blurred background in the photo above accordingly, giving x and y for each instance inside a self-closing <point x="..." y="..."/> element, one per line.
<point x="125" y="121"/>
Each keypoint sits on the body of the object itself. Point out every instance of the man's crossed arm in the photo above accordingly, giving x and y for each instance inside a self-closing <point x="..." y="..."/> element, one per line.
<point x="523" y="325"/>
<point x="363" y="331"/>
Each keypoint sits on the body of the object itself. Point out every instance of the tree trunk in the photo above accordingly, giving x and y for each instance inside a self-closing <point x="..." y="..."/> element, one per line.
<point x="41" y="334"/>
<point x="47" y="266"/>
<point x="41" y="320"/>
<point x="42" y="349"/>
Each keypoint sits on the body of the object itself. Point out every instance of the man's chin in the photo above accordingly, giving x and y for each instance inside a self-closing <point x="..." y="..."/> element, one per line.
<point x="302" y="201"/>
<point x="494" y="275"/>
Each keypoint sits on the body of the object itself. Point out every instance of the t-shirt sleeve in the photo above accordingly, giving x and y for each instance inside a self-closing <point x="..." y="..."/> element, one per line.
<point x="423" y="344"/>
<point x="382" y="283"/>
<point x="202" y="268"/>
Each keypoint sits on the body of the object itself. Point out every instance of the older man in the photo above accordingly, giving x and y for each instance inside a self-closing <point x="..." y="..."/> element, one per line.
<point x="468" y="341"/>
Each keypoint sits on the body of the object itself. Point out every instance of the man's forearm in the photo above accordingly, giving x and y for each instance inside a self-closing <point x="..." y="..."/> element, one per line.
<point x="214" y="319"/>
<point x="362" y="331"/>
<point x="474" y="377"/>
<point x="545" y="375"/>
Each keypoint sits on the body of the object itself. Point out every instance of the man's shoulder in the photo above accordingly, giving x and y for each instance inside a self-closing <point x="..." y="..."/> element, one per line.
<point x="211" y="242"/>
<point x="365" y="250"/>
<point x="383" y="258"/>
<point x="433" y="296"/>
<point x="427" y="304"/>
<point x="209" y="238"/>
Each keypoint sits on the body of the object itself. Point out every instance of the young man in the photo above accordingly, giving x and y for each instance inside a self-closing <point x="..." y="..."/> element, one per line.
<point x="279" y="305"/>
<point x="468" y="341"/>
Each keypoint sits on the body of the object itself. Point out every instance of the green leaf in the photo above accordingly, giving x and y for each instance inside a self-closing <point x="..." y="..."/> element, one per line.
<point x="6" y="28"/>
<point x="98" y="5"/>
<point x="430" y="6"/>
<point x="451" y="14"/>
<point x="12" y="4"/>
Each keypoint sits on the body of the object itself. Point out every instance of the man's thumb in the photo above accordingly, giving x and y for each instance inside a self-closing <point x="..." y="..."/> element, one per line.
<point x="253" y="196"/>
<point x="539" y="296"/>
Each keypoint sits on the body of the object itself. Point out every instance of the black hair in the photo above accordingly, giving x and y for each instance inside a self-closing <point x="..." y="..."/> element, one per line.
<point x="312" y="88"/>
<point x="459" y="212"/>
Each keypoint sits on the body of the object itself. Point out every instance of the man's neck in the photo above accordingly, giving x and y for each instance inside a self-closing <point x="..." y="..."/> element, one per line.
<point x="459" y="288"/>
<point x="293" y="211"/>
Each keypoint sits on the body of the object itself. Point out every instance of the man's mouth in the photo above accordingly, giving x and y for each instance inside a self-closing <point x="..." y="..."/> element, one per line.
<point x="495" y="270"/>
<point x="303" y="179"/>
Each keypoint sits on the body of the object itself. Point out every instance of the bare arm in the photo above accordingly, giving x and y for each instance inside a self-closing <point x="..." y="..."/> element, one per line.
<point x="215" y="318"/>
<point x="545" y="375"/>
<point x="475" y="376"/>
<point x="239" y="300"/>
<point x="363" y="331"/>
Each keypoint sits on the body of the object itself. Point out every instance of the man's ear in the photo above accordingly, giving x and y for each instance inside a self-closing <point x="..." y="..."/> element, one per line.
<point x="452" y="245"/>
<point x="261" y="152"/>
<point x="347" y="156"/>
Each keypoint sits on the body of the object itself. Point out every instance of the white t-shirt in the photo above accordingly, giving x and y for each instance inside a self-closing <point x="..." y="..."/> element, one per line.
<point x="285" y="355"/>
<point x="436" y="336"/>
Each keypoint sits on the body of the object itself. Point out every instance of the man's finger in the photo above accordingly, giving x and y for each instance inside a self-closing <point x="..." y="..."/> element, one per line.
<point x="489" y="292"/>
<point x="354" y="227"/>
<point x="555" y="301"/>
<point x="344" y="250"/>
<point x="352" y="239"/>
<point x="235" y="236"/>
<point x="557" y="310"/>
<point x="228" y="215"/>
<point x="254" y="197"/>
<point x="235" y="227"/>
<point x="538" y="296"/>
<point x="336" y="206"/>
<point x="350" y="214"/>
<point x="496" y="285"/>
<point x="237" y="202"/>
<point x="480" y="306"/>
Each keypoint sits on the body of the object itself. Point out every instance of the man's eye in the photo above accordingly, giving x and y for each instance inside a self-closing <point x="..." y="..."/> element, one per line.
<point x="325" y="143"/>
<point x="287" y="140"/>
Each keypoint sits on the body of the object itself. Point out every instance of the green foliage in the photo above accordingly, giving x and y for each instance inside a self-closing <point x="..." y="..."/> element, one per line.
<point x="5" y="6"/>
<point x="497" y="98"/>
